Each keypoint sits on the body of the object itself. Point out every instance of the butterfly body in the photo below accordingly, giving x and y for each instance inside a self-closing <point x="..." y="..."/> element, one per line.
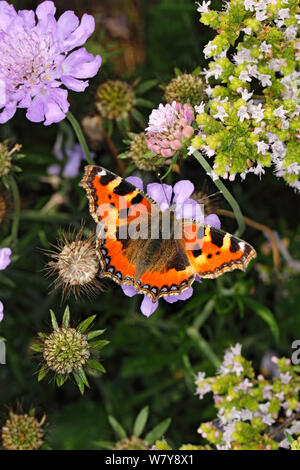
<point x="151" y="250"/>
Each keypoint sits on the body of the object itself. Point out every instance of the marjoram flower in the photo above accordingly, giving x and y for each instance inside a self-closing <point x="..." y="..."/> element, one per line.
<point x="37" y="58"/>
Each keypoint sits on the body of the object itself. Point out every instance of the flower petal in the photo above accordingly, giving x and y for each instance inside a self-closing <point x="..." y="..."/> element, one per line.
<point x="161" y="193"/>
<point x="53" y="113"/>
<point x="213" y="220"/>
<point x="72" y="166"/>
<point x="28" y="17"/>
<point x="190" y="209"/>
<point x="74" y="84"/>
<point x="186" y="294"/>
<point x="66" y="24"/>
<point x="35" y="112"/>
<point x="130" y="291"/>
<point x="8" y="112"/>
<point x="81" y="34"/>
<point x="81" y="64"/>
<point x="45" y="9"/>
<point x="2" y="93"/>
<point x="7" y="14"/>
<point x="136" y="181"/>
<point x="182" y="190"/>
<point x="5" y="254"/>
<point x="147" y="306"/>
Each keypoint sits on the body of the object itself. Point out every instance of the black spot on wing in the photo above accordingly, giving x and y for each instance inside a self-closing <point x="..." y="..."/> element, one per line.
<point x="137" y="199"/>
<point x="234" y="245"/>
<point x="105" y="179"/>
<point x="179" y="262"/>
<point x="197" y="250"/>
<point x="123" y="188"/>
<point x="217" y="237"/>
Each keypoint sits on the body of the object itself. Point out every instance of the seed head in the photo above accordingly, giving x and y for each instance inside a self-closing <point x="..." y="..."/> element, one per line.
<point x="142" y="157"/>
<point x="7" y="156"/>
<point x="185" y="88"/>
<point x="115" y="99"/>
<point x="22" y="432"/>
<point x="75" y="263"/>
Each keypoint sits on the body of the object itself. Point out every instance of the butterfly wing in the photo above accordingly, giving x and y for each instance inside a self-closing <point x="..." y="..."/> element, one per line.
<point x="213" y="252"/>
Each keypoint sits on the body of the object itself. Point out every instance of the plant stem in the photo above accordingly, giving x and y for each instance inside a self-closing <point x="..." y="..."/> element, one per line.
<point x="228" y="196"/>
<point x="80" y="137"/>
<point x="17" y="209"/>
<point x="204" y="346"/>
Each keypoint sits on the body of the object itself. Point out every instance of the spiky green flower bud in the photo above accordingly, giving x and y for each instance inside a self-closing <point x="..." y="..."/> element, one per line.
<point x="186" y="88"/>
<point x="22" y="432"/>
<point x="115" y="99"/>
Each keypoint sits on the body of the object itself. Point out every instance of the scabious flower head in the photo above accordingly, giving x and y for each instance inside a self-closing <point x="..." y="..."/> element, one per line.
<point x="7" y="156"/>
<point x="186" y="207"/>
<point x="143" y="158"/>
<point x="169" y="128"/>
<point x="36" y="61"/>
<point x="75" y="264"/>
<point x="22" y="432"/>
<point x="68" y="350"/>
<point x="115" y="99"/>
<point x="186" y="88"/>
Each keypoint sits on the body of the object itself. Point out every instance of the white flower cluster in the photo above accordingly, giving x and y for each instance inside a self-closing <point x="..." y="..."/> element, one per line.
<point x="269" y="27"/>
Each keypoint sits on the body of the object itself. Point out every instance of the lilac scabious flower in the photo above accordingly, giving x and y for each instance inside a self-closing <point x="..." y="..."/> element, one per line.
<point x="5" y="254"/>
<point x="37" y="59"/>
<point x="186" y="207"/>
<point x="169" y="127"/>
<point x="75" y="156"/>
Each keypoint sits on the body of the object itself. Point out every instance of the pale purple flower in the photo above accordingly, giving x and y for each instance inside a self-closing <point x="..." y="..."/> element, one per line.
<point x="246" y="95"/>
<point x="203" y="8"/>
<point x="39" y="55"/>
<point x="265" y="79"/>
<point x="200" y="108"/>
<point x="244" y="76"/>
<point x="75" y="156"/>
<point x="285" y="378"/>
<point x="186" y="207"/>
<point x="280" y="112"/>
<point x="264" y="47"/>
<point x="257" y="112"/>
<point x="5" y="254"/>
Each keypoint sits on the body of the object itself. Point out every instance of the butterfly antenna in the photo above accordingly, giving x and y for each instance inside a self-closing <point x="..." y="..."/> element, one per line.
<point x="211" y="195"/>
<point x="163" y="188"/>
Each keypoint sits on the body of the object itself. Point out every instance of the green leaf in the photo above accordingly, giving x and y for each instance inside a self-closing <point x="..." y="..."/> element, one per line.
<point x="96" y="365"/>
<point x="79" y="382"/>
<point x="61" y="379"/>
<point x="82" y="375"/>
<point x="138" y="117"/>
<point x="140" y="421"/>
<point x="265" y="314"/>
<point x="142" y="102"/>
<point x="53" y="320"/>
<point x="43" y="372"/>
<point x="105" y="444"/>
<point x="83" y="326"/>
<point x="289" y="437"/>
<point x="37" y="347"/>
<point x="158" y="431"/>
<point x="145" y="86"/>
<point x="95" y="333"/>
<point x="98" y="344"/>
<point x="119" y="430"/>
<point x="177" y="71"/>
<point x="66" y="318"/>
<point x="124" y="155"/>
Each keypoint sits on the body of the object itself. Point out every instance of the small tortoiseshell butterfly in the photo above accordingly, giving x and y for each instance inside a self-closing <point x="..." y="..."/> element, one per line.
<point x="155" y="266"/>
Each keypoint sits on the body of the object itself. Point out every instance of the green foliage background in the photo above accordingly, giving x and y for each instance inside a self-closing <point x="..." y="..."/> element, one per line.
<point x="148" y="361"/>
